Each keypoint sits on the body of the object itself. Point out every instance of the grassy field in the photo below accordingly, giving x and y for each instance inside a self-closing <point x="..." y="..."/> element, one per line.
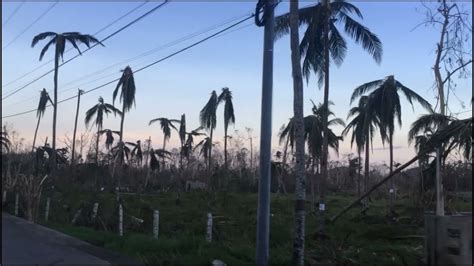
<point x="355" y="239"/>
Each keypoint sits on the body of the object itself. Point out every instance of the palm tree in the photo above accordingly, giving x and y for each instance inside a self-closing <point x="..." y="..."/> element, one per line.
<point x="182" y="138"/>
<point x="207" y="119"/>
<point x="44" y="98"/>
<point x="384" y="102"/>
<point x="298" y="129"/>
<point x="155" y="155"/>
<point x="363" y="127"/>
<point x="5" y="141"/>
<point x="189" y="145"/>
<point x="229" y="117"/>
<point x="73" y="153"/>
<point x="205" y="145"/>
<point x="59" y="40"/>
<point x="323" y="40"/>
<point x="98" y="111"/>
<point x="136" y="151"/>
<point x="127" y="88"/>
<point x="166" y="126"/>
<point x="109" y="139"/>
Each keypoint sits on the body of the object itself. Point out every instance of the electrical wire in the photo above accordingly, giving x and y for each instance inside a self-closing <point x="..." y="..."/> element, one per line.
<point x="101" y="41"/>
<point x="13" y="13"/>
<point x="147" y="66"/>
<point x="68" y="50"/>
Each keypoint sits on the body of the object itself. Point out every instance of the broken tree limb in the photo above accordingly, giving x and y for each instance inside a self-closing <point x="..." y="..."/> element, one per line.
<point x="395" y="172"/>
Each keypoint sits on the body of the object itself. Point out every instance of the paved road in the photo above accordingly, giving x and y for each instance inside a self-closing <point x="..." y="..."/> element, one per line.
<point x="27" y="243"/>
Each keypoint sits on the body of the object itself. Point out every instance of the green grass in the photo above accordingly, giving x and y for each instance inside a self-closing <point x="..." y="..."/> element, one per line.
<point x="354" y="239"/>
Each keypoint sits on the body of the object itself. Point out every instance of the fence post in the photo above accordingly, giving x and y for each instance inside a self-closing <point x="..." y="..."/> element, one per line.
<point x="94" y="211"/>
<point x="17" y="201"/>
<point x="46" y="211"/>
<point x="120" y="222"/>
<point x="209" y="227"/>
<point x="76" y="216"/>
<point x="156" y="223"/>
<point x="4" y="197"/>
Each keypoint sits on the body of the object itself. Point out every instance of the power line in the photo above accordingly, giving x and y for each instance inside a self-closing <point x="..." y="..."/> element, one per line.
<point x="68" y="50"/>
<point x="101" y="41"/>
<point x="31" y="25"/>
<point x="146" y="53"/>
<point x="147" y="66"/>
<point x="12" y="14"/>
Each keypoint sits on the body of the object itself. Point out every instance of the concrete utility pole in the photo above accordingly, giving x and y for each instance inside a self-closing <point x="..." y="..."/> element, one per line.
<point x="263" y="215"/>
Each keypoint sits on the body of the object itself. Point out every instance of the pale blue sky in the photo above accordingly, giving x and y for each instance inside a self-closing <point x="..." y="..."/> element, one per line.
<point x="183" y="83"/>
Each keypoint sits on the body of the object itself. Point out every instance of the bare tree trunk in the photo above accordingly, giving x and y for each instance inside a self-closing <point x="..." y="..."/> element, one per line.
<point x="36" y="132"/>
<point x="358" y="174"/>
<point x="120" y="155"/>
<point x="225" y="148"/>
<point x="73" y="155"/>
<point x="367" y="165"/>
<point x="97" y="147"/>
<point x="324" y="155"/>
<point x="300" y="190"/>
<point x="391" y="191"/>
<point x="55" y="108"/>
<point x="164" y="148"/>
<point x="394" y="173"/>
<point x="210" y="153"/>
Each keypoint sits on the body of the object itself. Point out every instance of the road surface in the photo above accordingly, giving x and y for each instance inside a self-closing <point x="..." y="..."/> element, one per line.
<point x="28" y="243"/>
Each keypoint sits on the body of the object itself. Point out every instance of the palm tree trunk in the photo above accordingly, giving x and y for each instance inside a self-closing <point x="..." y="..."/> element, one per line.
<point x="358" y="175"/>
<point x="210" y="152"/>
<point x="97" y="147"/>
<point x="120" y="155"/>
<point x="391" y="191"/>
<point x="324" y="155"/>
<point x="73" y="155"/>
<point x="366" y="171"/>
<point x="55" y="108"/>
<point x="36" y="132"/>
<point x="300" y="189"/>
<point x="225" y="148"/>
<point x="164" y="146"/>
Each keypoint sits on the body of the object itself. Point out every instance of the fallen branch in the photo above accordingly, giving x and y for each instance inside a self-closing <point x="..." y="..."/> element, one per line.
<point x="395" y="172"/>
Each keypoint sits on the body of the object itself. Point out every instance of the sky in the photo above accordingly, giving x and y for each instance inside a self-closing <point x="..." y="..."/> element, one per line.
<point x="183" y="83"/>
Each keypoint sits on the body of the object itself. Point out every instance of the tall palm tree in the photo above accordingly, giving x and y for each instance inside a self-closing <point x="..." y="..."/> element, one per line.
<point x="44" y="98"/>
<point x="205" y="145"/>
<point x="127" y="88"/>
<point x="98" y="111"/>
<point x="384" y="102"/>
<point x="109" y="137"/>
<point x="229" y="117"/>
<point x="298" y="129"/>
<point x="59" y="40"/>
<point x="207" y="119"/>
<point x="189" y="145"/>
<point x="363" y="126"/>
<point x="322" y="41"/>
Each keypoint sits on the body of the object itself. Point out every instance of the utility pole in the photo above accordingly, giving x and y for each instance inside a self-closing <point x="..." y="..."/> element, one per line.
<point x="263" y="214"/>
<point x="73" y="154"/>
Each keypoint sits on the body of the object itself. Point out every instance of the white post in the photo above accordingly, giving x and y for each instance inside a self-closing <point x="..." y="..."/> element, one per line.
<point x="76" y="216"/>
<point x="120" y="224"/>
<point x="94" y="211"/>
<point x="156" y="223"/>
<point x="4" y="197"/>
<point x="209" y="227"/>
<point x="46" y="211"/>
<point x="17" y="201"/>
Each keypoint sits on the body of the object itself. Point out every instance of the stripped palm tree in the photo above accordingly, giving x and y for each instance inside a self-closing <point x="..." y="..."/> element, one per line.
<point x="155" y="156"/>
<point x="127" y="88"/>
<point x="229" y="117"/>
<point x="44" y="98"/>
<point x="207" y="119"/>
<point x="59" y="40"/>
<point x="322" y="41"/>
<point x="182" y="138"/>
<point x="136" y="152"/>
<point x="189" y="145"/>
<point x="5" y="142"/>
<point x="109" y="137"/>
<point x="384" y="102"/>
<point x="205" y="145"/>
<point x="98" y="111"/>
<point x="362" y="126"/>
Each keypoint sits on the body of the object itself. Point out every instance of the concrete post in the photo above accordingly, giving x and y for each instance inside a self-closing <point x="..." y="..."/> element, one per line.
<point x="156" y="223"/>
<point x="46" y="211"/>
<point x="17" y="202"/>
<point x="209" y="227"/>
<point x="94" y="211"/>
<point x="120" y="221"/>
